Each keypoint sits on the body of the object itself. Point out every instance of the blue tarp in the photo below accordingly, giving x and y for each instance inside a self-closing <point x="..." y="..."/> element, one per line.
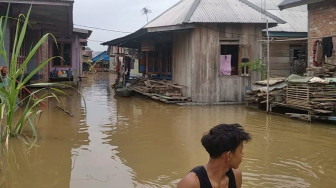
<point x="101" y="57"/>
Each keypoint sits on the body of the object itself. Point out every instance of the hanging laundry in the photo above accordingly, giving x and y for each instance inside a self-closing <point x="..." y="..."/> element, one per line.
<point x="317" y="54"/>
<point x="225" y="64"/>
<point x="327" y="46"/>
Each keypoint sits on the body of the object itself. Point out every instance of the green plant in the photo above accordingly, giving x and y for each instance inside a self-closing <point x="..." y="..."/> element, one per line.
<point x="16" y="80"/>
<point x="257" y="65"/>
<point x="91" y="64"/>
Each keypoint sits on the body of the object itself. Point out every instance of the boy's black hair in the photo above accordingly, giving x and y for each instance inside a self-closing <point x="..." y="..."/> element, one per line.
<point x="223" y="138"/>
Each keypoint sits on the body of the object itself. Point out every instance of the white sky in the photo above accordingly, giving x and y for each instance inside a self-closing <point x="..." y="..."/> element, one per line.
<point x="120" y="15"/>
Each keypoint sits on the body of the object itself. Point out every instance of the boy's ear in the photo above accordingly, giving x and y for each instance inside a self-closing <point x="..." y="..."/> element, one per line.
<point x="228" y="155"/>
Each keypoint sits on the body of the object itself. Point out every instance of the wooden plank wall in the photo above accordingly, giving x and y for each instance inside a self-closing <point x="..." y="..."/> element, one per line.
<point x="279" y="59"/>
<point x="196" y="57"/>
<point x="205" y="59"/>
<point x="181" y="58"/>
<point x="232" y="88"/>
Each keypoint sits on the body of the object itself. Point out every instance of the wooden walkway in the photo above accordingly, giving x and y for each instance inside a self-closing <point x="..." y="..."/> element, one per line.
<point x="161" y="98"/>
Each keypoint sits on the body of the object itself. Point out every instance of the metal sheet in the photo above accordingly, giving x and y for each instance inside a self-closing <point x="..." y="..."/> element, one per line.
<point x="226" y="11"/>
<point x="296" y="18"/>
<point x="173" y="16"/>
<point x="209" y="11"/>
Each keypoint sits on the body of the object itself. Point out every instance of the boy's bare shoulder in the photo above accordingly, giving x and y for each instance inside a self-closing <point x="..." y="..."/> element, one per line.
<point x="189" y="181"/>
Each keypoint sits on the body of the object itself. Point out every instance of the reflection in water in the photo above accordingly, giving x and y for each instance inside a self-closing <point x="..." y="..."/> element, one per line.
<point x="137" y="142"/>
<point x="48" y="162"/>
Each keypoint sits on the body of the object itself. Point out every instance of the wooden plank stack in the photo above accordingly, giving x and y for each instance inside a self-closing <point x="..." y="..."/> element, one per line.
<point x="326" y="70"/>
<point x="260" y="97"/>
<point x="257" y="92"/>
<point x="159" y="90"/>
<point x="320" y="98"/>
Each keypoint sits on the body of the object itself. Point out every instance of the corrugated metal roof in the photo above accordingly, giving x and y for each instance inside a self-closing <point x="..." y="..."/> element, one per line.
<point x="296" y="18"/>
<point x="187" y="12"/>
<point x="226" y="11"/>
<point x="211" y="11"/>
<point x="173" y="16"/>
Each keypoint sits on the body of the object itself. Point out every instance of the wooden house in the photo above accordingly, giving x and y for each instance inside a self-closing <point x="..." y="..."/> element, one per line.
<point x="321" y="24"/>
<point x="47" y="16"/>
<point x="288" y="41"/>
<point x="191" y="44"/>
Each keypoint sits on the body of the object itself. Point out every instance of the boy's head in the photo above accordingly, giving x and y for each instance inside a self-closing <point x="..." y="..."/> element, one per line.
<point x="223" y="138"/>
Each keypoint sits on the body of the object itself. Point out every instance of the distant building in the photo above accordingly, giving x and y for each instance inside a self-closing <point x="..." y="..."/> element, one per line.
<point x="47" y="16"/>
<point x="288" y="41"/>
<point x="321" y="23"/>
<point x="200" y="45"/>
<point x="86" y="58"/>
<point x="102" y="62"/>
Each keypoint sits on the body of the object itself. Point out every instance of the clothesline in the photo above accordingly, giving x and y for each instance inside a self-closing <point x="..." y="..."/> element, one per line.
<point x="323" y="36"/>
<point x="284" y="40"/>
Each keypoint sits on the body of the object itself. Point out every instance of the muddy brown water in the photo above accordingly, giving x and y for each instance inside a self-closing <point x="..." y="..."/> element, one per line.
<point x="137" y="142"/>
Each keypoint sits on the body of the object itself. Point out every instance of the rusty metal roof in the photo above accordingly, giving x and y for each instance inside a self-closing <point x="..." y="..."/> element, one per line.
<point x="212" y="11"/>
<point x="296" y="18"/>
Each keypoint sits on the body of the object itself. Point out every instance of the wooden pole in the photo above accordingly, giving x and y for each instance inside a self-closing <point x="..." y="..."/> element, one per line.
<point x="268" y="61"/>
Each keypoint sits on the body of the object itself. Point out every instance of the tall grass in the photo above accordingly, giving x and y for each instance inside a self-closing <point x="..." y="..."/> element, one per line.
<point x="11" y="126"/>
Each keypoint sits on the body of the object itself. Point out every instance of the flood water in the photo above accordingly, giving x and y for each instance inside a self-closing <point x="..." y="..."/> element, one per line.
<point x="137" y="142"/>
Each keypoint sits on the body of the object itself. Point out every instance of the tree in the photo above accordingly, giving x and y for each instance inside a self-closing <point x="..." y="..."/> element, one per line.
<point x="146" y="11"/>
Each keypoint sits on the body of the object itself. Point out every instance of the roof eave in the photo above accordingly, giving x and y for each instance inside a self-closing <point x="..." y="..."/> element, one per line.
<point x="119" y="41"/>
<point x="286" y="5"/>
<point x="82" y="33"/>
<point x="287" y="34"/>
<point x="171" y="28"/>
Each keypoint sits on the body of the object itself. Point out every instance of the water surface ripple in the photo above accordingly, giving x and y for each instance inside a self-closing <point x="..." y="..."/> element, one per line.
<point x="137" y="142"/>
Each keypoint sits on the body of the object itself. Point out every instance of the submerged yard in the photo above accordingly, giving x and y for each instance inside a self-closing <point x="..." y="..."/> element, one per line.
<point x="137" y="142"/>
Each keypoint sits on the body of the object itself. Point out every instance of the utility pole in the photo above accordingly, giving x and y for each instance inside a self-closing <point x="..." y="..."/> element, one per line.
<point x="268" y="61"/>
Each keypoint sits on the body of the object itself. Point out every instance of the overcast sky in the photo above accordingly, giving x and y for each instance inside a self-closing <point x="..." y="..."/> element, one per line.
<point x="119" y="15"/>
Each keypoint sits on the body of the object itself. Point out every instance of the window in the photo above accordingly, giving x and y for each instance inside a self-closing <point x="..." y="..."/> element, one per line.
<point x="62" y="49"/>
<point x="297" y="57"/>
<point x="229" y="59"/>
<point x="26" y="46"/>
<point x="158" y="62"/>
